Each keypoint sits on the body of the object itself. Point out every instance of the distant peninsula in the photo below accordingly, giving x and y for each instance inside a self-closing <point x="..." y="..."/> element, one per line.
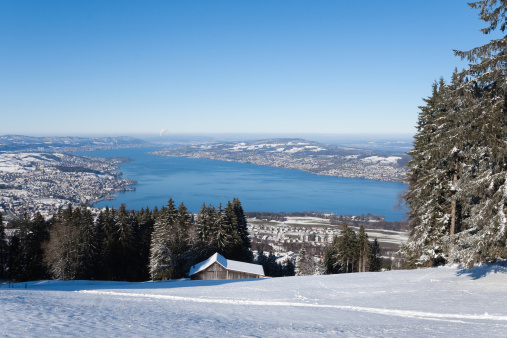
<point x="300" y="154"/>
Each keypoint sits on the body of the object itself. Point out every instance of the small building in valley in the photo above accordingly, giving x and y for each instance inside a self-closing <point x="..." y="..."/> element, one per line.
<point x="218" y="267"/>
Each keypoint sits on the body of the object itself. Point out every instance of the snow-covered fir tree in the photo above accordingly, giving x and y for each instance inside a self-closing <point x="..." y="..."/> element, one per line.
<point x="458" y="175"/>
<point x="160" y="250"/>
<point x="306" y="265"/>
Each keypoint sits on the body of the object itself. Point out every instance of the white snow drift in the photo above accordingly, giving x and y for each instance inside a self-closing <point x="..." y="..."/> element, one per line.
<point x="445" y="301"/>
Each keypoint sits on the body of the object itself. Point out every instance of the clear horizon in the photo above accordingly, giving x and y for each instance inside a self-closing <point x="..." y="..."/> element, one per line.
<point x="225" y="67"/>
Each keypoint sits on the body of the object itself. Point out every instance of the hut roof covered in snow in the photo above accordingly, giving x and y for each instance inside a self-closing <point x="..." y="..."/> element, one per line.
<point x="245" y="269"/>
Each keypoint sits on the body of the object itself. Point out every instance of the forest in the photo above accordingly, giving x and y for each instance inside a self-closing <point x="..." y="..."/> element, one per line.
<point x="123" y="245"/>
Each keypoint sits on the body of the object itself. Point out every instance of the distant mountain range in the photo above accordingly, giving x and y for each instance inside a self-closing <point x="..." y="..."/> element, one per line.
<point x="20" y="142"/>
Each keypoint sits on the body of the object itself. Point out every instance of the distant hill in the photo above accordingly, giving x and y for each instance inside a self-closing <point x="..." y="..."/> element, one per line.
<point x="300" y="154"/>
<point x="50" y="143"/>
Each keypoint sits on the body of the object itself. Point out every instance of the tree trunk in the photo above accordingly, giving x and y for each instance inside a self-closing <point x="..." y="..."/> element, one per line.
<point x="453" y="203"/>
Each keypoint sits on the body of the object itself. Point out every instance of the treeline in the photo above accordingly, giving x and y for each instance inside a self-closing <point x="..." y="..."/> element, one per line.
<point x="122" y="245"/>
<point x="351" y="252"/>
<point x="273" y="268"/>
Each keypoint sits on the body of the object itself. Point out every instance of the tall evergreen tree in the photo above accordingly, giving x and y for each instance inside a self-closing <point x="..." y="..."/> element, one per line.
<point x="364" y="250"/>
<point x="347" y="250"/>
<point x="375" y="260"/>
<point x="161" y="258"/>
<point x="143" y="232"/>
<point x="125" y="246"/>
<point x="244" y="251"/>
<point x="3" y="250"/>
<point x="458" y="176"/>
<point x="305" y="264"/>
<point x="62" y="251"/>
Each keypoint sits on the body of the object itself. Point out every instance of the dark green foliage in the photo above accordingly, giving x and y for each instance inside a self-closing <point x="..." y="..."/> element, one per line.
<point x="351" y="252"/>
<point x="458" y="175"/>
<point x="272" y="268"/>
<point x="124" y="246"/>
<point x="161" y="261"/>
<point x="375" y="258"/>
<point x="330" y="265"/>
<point x="223" y="231"/>
<point x="242" y="252"/>
<point x="142" y="232"/>
<point x="121" y="244"/>
<point x="4" y="253"/>
<point x="70" y="251"/>
<point x="26" y="259"/>
<point x="177" y="243"/>
<point x="347" y="250"/>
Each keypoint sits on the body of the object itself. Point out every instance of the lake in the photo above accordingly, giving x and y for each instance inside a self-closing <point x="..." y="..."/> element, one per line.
<point x="259" y="188"/>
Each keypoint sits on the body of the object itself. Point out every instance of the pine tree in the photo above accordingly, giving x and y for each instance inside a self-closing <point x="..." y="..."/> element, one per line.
<point x="305" y="265"/>
<point x="347" y="253"/>
<point x="3" y="250"/>
<point x="143" y="232"/>
<point x="108" y="243"/>
<point x="330" y="265"/>
<point x="62" y="252"/>
<point x="375" y="260"/>
<point x="364" y="250"/>
<point x="125" y="248"/>
<point x="458" y="175"/>
<point x="205" y="229"/>
<point x="161" y="255"/>
<point x="244" y="251"/>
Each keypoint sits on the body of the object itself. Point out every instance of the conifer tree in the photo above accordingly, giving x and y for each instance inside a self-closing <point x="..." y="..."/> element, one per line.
<point x="62" y="252"/>
<point x="244" y="253"/>
<point x="206" y="222"/>
<point x="108" y="229"/>
<point x="375" y="260"/>
<point x="143" y="232"/>
<point x="347" y="250"/>
<point x="364" y="250"/>
<point x="161" y="255"/>
<point x="458" y="176"/>
<point x="330" y="265"/>
<point x="3" y="250"/>
<point x="125" y="248"/>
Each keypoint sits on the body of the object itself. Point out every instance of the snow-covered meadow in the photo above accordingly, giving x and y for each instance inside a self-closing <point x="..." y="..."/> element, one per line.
<point x="444" y="301"/>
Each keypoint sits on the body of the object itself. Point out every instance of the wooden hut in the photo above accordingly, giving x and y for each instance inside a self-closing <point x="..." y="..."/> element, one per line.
<point x="218" y="267"/>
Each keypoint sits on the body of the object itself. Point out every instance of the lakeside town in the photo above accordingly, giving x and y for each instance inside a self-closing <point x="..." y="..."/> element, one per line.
<point x="289" y="233"/>
<point x="33" y="182"/>
<point x="299" y="154"/>
<point x="35" y="178"/>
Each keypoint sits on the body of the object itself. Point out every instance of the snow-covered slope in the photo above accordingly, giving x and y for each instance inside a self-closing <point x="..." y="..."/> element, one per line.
<point x="445" y="301"/>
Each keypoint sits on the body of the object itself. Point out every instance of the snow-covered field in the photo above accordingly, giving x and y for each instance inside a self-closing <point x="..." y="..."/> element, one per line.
<point x="445" y="301"/>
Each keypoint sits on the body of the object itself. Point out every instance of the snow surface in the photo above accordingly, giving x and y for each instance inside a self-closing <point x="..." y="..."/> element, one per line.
<point x="444" y="301"/>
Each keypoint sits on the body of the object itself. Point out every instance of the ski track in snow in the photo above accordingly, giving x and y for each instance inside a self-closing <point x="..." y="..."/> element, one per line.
<point x="389" y="312"/>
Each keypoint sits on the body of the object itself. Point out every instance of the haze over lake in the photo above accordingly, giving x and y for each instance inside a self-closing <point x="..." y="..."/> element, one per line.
<point x="259" y="188"/>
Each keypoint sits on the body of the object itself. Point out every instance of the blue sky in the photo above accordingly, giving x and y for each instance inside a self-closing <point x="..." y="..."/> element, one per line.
<point x="272" y="67"/>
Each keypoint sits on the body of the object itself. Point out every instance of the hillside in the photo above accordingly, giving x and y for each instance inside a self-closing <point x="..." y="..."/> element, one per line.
<point x="444" y="301"/>
<point x="309" y="156"/>
<point x="70" y="143"/>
